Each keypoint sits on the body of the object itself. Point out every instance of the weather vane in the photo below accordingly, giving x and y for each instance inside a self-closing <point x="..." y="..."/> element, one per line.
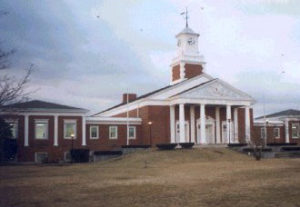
<point x="186" y="13"/>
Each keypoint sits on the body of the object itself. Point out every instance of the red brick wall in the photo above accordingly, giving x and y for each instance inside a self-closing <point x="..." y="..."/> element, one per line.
<point x="104" y="143"/>
<point x="192" y="70"/>
<point x="176" y="73"/>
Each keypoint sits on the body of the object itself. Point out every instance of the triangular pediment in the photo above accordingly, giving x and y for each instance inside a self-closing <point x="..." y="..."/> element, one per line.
<point x="216" y="89"/>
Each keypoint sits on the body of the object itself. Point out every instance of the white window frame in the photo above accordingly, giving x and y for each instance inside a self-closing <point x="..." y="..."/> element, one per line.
<point x="110" y="129"/>
<point x="276" y="135"/>
<point x="70" y="121"/>
<point x="97" y="129"/>
<point x="298" y="127"/>
<point x="134" y="132"/>
<point x="16" y="123"/>
<point x="263" y="129"/>
<point x="41" y="121"/>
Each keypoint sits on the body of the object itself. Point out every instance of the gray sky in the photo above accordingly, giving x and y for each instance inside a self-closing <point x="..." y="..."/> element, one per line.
<point x="87" y="53"/>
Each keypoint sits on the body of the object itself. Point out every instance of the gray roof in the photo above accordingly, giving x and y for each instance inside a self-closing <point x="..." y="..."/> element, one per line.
<point x="187" y="30"/>
<point x="289" y="112"/>
<point x="41" y="105"/>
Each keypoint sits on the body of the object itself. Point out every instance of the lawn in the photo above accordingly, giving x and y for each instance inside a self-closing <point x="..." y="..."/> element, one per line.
<point x="198" y="177"/>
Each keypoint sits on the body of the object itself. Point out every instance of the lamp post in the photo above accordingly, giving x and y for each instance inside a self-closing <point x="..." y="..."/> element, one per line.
<point x="229" y="120"/>
<point x="72" y="147"/>
<point x="266" y="138"/>
<point x="150" y="134"/>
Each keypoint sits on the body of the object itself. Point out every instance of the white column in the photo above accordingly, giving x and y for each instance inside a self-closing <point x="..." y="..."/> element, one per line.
<point x="192" y="117"/>
<point x="228" y="124"/>
<point x="172" y="123"/>
<point x="55" y="130"/>
<point x="236" y="125"/>
<point x="181" y="123"/>
<point x="203" y="124"/>
<point x="83" y="131"/>
<point x="26" y="131"/>
<point x="247" y="123"/>
<point x="218" y="131"/>
<point x="287" y="136"/>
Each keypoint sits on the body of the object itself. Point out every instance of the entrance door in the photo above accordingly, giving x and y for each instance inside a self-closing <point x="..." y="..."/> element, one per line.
<point x="209" y="131"/>
<point x="224" y="132"/>
<point x="187" y="131"/>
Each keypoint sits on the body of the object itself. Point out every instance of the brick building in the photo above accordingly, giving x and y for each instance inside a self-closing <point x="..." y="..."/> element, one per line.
<point x="194" y="107"/>
<point x="280" y="127"/>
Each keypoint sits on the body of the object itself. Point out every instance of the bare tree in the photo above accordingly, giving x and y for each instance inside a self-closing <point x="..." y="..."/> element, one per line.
<point x="12" y="90"/>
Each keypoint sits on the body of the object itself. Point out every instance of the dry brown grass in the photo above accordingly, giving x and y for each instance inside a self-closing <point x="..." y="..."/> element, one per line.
<point x="199" y="177"/>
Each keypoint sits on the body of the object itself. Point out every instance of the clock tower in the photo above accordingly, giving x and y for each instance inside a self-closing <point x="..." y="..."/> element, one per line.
<point x="188" y="61"/>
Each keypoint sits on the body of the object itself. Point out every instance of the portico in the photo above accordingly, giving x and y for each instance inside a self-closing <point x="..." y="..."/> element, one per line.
<point x="208" y="124"/>
<point x="211" y="114"/>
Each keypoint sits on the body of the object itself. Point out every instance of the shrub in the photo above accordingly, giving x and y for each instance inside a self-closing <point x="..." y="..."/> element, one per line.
<point x="166" y="146"/>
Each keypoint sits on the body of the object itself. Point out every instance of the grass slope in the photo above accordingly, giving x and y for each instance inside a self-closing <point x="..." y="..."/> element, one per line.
<point x="198" y="177"/>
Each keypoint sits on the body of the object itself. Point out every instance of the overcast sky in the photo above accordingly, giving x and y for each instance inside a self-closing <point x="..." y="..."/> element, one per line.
<point x="87" y="53"/>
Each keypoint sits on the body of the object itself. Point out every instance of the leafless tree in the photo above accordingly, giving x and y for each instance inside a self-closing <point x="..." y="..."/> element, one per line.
<point x="12" y="90"/>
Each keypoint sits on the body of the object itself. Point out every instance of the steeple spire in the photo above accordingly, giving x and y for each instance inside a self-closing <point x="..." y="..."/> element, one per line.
<point x="186" y="13"/>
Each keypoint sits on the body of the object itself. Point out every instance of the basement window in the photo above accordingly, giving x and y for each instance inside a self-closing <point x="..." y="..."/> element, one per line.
<point x="41" y="157"/>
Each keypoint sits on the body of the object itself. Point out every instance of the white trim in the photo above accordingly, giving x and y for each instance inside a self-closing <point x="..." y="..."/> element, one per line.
<point x="83" y="135"/>
<point x="287" y="136"/>
<point x="134" y="132"/>
<point x="26" y="131"/>
<point x="113" y="137"/>
<point x="41" y="121"/>
<point x="41" y="114"/>
<point x="55" y="143"/>
<point x="45" y="110"/>
<point x="97" y="130"/>
<point x="193" y="124"/>
<point x="113" y="120"/>
<point x="270" y="123"/>
<point x="70" y="121"/>
<point x="218" y="130"/>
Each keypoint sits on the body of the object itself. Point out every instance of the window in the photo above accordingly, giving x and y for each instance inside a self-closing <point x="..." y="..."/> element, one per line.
<point x="41" y="157"/>
<point x="41" y="129"/>
<point x="94" y="132"/>
<point x="295" y="130"/>
<point x="262" y="133"/>
<point x="69" y="129"/>
<point x="132" y="132"/>
<point x="113" y="132"/>
<point x="276" y="133"/>
<point x="14" y="128"/>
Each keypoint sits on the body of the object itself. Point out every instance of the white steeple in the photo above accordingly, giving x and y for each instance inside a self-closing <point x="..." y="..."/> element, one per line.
<point x="187" y="54"/>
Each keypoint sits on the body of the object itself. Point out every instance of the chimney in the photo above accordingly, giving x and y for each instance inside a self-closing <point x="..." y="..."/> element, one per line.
<point x="131" y="97"/>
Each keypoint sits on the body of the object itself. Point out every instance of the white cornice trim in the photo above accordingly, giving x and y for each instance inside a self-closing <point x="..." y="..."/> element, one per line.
<point x="113" y="120"/>
<point x="41" y="114"/>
